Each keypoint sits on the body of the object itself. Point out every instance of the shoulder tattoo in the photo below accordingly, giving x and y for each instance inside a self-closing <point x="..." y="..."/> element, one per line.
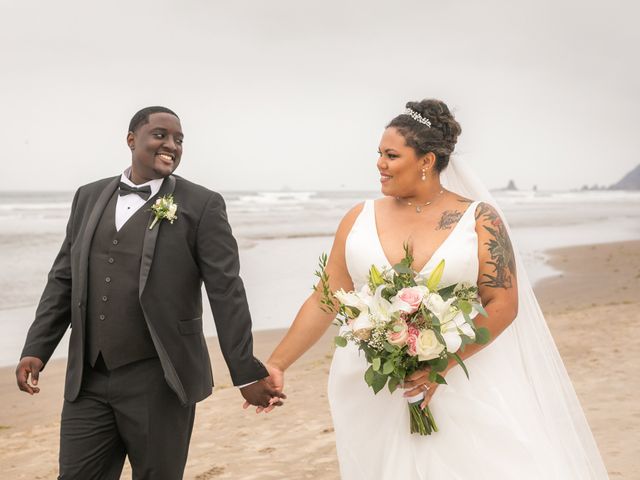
<point x="500" y="249"/>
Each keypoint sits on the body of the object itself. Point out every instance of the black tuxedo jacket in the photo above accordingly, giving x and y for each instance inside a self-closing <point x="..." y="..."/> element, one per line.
<point x="176" y="259"/>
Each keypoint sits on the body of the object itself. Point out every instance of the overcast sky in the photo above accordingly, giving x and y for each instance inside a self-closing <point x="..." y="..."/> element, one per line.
<point x="295" y="94"/>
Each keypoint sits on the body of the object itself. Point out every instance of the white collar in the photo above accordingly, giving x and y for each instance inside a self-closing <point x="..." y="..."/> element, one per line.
<point x="154" y="184"/>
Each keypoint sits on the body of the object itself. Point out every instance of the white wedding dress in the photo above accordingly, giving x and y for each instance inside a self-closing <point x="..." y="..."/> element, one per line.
<point x="490" y="426"/>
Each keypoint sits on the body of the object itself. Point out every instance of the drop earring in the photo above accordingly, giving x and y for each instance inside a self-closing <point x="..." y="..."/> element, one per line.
<point x="424" y="174"/>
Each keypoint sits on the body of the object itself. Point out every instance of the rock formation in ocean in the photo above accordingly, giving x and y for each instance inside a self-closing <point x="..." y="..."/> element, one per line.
<point x="631" y="181"/>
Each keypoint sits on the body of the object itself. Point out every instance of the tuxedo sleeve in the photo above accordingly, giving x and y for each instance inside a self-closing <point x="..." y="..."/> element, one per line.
<point x="217" y="253"/>
<point x="53" y="314"/>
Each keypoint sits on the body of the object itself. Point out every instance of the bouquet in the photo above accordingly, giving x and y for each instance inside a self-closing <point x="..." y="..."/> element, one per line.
<point x="404" y="322"/>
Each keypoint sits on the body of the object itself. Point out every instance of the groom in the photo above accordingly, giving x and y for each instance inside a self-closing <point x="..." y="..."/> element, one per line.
<point x="131" y="292"/>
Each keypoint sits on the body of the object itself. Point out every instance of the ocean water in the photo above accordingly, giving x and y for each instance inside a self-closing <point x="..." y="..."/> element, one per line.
<point x="259" y="216"/>
<point x="281" y="235"/>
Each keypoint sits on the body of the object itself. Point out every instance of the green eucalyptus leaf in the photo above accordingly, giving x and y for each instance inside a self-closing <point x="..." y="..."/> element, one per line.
<point x="465" y="307"/>
<point x="388" y="367"/>
<point x="393" y="384"/>
<point x="480" y="309"/>
<point x="340" y="341"/>
<point x="379" y="381"/>
<point x="447" y="292"/>
<point x="483" y="335"/>
<point x="369" y="376"/>
<point x="389" y="348"/>
<point x="376" y="364"/>
<point x="441" y="365"/>
<point x="402" y="269"/>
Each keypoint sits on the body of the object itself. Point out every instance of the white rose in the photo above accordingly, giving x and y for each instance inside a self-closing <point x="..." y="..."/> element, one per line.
<point x="171" y="213"/>
<point x="427" y="345"/>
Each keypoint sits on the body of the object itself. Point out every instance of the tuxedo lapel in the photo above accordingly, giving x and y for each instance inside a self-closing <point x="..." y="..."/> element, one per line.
<point x="87" y="235"/>
<point x="151" y="235"/>
<point x="148" y="249"/>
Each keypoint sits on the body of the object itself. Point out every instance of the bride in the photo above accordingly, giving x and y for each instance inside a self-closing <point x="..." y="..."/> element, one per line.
<point x="518" y="415"/>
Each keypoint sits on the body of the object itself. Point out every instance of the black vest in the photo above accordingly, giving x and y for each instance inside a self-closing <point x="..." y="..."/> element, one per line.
<point x="115" y="322"/>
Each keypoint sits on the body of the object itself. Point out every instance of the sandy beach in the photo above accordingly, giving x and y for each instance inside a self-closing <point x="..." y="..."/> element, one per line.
<point x="591" y="308"/>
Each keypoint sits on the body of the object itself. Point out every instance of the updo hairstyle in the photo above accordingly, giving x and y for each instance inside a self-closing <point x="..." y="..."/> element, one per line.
<point x="440" y="138"/>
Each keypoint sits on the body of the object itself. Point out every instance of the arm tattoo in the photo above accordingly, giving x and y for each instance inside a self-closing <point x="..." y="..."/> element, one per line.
<point x="449" y="219"/>
<point x="500" y="250"/>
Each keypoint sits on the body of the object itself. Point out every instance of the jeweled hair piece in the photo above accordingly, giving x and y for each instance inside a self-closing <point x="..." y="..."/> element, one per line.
<point x="417" y="117"/>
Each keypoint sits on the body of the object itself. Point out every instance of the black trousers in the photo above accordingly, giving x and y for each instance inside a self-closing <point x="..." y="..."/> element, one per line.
<point x="129" y="411"/>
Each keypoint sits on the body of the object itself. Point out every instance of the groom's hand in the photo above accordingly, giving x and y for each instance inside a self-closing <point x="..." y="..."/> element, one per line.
<point x="29" y="366"/>
<point x="262" y="395"/>
<point x="275" y="381"/>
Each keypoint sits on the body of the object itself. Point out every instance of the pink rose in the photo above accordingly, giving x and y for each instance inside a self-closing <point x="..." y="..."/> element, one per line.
<point x="400" y="333"/>
<point x="412" y="339"/>
<point x="409" y="299"/>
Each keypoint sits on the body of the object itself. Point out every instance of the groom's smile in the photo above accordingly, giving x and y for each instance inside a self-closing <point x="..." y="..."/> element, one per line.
<point x="156" y="148"/>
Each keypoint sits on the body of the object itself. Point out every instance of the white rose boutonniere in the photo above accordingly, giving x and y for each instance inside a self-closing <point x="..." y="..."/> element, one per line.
<point x="164" y="208"/>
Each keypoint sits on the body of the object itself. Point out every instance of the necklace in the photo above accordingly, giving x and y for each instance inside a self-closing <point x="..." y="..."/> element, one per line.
<point x="420" y="206"/>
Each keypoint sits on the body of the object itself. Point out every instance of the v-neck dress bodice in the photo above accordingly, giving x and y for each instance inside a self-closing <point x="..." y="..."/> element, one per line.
<point x="459" y="249"/>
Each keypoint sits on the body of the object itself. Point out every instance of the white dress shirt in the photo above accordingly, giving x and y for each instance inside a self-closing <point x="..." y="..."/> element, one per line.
<point x="127" y="205"/>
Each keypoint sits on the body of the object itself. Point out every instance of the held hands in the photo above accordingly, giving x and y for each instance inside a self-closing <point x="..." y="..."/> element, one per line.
<point x="29" y="366"/>
<point x="275" y="382"/>
<point x="263" y="395"/>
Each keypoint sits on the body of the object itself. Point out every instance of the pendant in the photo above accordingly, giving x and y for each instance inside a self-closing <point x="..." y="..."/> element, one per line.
<point x="418" y="209"/>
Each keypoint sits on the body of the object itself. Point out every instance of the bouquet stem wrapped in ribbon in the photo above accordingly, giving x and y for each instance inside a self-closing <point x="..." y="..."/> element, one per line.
<point x="404" y="322"/>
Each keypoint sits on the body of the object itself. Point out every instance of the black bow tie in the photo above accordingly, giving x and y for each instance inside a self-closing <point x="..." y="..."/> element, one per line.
<point x="144" y="192"/>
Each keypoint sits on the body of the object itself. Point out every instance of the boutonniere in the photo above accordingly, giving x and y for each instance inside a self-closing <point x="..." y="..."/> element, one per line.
<point x="164" y="208"/>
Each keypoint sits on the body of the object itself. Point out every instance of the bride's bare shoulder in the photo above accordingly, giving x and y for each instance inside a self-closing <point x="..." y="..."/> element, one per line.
<point x="350" y="217"/>
<point x="459" y="198"/>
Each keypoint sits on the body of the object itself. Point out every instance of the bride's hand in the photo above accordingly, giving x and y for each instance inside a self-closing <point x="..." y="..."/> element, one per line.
<point x="418" y="382"/>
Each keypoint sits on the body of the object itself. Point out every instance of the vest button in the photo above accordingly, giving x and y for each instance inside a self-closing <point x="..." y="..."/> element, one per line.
<point x="115" y="242"/>
<point x="105" y="298"/>
<point x="111" y="260"/>
<point x="108" y="279"/>
<point x="102" y="317"/>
